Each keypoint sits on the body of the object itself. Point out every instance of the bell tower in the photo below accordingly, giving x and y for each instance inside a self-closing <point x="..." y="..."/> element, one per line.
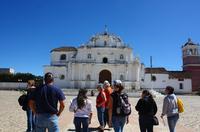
<point x="191" y="62"/>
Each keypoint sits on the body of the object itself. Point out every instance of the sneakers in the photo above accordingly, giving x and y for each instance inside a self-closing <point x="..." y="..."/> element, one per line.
<point x="101" y="128"/>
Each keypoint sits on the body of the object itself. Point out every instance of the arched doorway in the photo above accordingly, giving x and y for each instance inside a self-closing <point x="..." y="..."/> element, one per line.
<point x="105" y="75"/>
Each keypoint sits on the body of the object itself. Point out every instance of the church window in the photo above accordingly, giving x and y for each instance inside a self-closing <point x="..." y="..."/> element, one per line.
<point x="121" y="77"/>
<point x="190" y="52"/>
<point x="153" y="78"/>
<point x="121" y="57"/>
<point x="180" y="85"/>
<point x="187" y="52"/>
<point x="198" y="51"/>
<point x="63" y="57"/>
<point x="195" y="51"/>
<point x="88" y="77"/>
<point x="89" y="56"/>
<point x="105" y="60"/>
<point x="62" y="77"/>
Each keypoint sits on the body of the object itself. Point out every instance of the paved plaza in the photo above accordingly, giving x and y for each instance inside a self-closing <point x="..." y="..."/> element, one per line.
<point x="13" y="118"/>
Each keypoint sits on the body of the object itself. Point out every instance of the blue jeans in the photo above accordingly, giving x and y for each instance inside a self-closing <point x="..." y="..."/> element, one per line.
<point x="47" y="121"/>
<point x="81" y="120"/>
<point x="106" y="118"/>
<point x="172" y="120"/>
<point x="100" y="114"/>
<point x="118" y="123"/>
<point x="30" y="120"/>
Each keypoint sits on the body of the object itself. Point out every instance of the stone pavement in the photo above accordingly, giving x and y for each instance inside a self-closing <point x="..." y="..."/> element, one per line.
<point x="133" y="126"/>
<point x="13" y="118"/>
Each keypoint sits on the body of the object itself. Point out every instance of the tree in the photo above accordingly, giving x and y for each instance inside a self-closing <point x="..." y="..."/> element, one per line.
<point x="21" y="77"/>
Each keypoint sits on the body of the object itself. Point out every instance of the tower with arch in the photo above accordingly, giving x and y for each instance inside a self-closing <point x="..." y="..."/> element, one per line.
<point x="191" y="62"/>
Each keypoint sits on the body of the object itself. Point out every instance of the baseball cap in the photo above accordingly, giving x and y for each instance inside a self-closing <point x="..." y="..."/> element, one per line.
<point x="117" y="82"/>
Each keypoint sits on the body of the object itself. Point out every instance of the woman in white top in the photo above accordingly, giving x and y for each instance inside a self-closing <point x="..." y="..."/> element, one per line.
<point x="82" y="108"/>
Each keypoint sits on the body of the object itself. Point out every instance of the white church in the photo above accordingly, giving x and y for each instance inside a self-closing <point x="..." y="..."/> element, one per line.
<point x="104" y="57"/>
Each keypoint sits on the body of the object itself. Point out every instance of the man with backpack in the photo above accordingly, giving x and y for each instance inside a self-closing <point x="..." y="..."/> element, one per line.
<point x="119" y="107"/>
<point x="44" y="102"/>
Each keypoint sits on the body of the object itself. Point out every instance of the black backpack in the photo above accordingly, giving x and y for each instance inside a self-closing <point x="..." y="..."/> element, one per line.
<point x="124" y="107"/>
<point x="23" y="101"/>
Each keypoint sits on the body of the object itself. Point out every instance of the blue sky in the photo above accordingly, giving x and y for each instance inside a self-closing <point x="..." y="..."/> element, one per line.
<point x="29" y="29"/>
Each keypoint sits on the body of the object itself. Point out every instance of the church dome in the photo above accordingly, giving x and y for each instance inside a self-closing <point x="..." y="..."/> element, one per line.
<point x="105" y="40"/>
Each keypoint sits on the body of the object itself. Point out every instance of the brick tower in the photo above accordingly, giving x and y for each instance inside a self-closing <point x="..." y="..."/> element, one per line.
<point x="191" y="62"/>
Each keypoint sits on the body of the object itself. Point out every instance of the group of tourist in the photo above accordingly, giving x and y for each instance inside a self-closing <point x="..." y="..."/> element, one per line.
<point x="112" y="104"/>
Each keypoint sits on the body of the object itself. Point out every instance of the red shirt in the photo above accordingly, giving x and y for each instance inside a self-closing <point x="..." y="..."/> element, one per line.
<point x="101" y="99"/>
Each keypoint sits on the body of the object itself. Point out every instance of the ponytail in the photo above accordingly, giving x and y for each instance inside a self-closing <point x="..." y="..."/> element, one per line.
<point x="82" y="96"/>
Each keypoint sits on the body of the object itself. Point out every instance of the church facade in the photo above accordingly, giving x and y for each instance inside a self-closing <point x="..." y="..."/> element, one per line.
<point x="104" y="57"/>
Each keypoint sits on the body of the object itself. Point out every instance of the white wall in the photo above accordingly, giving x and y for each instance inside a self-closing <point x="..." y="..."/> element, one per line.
<point x="12" y="85"/>
<point x="55" y="57"/>
<point x="162" y="80"/>
<point x="57" y="71"/>
<point x="97" y="54"/>
<point x="187" y="85"/>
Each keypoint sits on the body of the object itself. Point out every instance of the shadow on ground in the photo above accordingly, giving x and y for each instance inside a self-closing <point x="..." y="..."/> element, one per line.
<point x="90" y="130"/>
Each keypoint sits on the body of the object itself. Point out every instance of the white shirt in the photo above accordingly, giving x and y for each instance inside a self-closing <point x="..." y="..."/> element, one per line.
<point x="84" y="112"/>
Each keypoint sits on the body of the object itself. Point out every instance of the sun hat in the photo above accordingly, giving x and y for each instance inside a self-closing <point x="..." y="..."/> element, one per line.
<point x="106" y="83"/>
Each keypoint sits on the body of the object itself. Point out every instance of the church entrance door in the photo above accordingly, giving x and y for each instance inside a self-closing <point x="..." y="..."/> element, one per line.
<point x="105" y="75"/>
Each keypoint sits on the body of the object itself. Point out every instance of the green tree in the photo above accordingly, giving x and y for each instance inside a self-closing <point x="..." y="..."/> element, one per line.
<point x="21" y="77"/>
